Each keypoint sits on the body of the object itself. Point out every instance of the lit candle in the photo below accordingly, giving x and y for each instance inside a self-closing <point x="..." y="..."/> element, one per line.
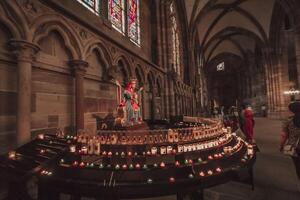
<point x="75" y="163"/>
<point x="172" y="179"/>
<point x="149" y="181"/>
<point x="201" y="174"/>
<point x="41" y="136"/>
<point x="84" y="150"/>
<point x="81" y="164"/>
<point x="72" y="148"/>
<point x="138" y="166"/>
<point x="12" y="155"/>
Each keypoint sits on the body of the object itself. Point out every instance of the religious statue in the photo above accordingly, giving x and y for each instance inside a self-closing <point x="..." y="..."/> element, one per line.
<point x="129" y="108"/>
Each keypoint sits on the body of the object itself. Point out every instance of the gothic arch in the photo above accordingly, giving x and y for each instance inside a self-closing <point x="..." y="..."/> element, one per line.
<point x="44" y="25"/>
<point x="227" y="34"/>
<point x="151" y="79"/>
<point x="291" y="8"/>
<point x="159" y="81"/>
<point x="13" y="17"/>
<point x="241" y="12"/>
<point x="205" y="11"/>
<point x="98" y="44"/>
<point x="139" y="73"/>
<point x="5" y="34"/>
<point x="126" y="63"/>
<point x="236" y="44"/>
<point x="104" y="56"/>
<point x="282" y="9"/>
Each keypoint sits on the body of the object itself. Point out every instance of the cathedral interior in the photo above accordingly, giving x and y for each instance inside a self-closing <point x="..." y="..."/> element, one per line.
<point x="72" y="68"/>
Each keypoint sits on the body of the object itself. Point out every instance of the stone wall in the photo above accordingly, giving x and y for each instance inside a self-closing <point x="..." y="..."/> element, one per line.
<point x="52" y="44"/>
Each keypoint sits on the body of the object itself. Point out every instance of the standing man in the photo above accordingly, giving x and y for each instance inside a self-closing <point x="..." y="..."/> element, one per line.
<point x="248" y="123"/>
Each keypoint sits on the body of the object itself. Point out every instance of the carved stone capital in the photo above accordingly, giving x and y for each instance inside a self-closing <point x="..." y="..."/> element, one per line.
<point x="23" y="50"/>
<point x="79" y="66"/>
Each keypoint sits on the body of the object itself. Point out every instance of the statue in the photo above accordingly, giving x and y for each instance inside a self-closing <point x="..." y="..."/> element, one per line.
<point x="129" y="108"/>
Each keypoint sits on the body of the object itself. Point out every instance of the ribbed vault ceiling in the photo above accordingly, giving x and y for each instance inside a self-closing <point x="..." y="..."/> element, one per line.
<point x="229" y="26"/>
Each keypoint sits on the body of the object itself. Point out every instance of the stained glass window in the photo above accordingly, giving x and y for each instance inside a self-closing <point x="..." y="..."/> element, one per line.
<point x="123" y="15"/>
<point x="133" y="20"/>
<point x="175" y="40"/>
<point x="117" y="15"/>
<point x="93" y="5"/>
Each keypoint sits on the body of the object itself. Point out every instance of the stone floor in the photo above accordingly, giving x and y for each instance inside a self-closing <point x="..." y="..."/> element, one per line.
<point x="275" y="176"/>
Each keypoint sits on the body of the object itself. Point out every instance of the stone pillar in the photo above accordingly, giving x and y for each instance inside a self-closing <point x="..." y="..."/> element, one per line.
<point x="269" y="82"/>
<point x="154" y="91"/>
<point x="276" y="80"/>
<point x="79" y="67"/>
<point x="171" y="93"/>
<point x="171" y="98"/>
<point x="166" y="98"/>
<point x="24" y="53"/>
<point x="104" y="8"/>
<point x="297" y="52"/>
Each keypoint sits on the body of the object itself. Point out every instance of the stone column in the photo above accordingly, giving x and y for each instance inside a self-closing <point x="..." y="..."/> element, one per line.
<point x="171" y="98"/>
<point x="166" y="98"/>
<point x="297" y="53"/>
<point x="154" y="91"/>
<point x="79" y="67"/>
<point x="24" y="53"/>
<point x="269" y="82"/>
<point x="104" y="9"/>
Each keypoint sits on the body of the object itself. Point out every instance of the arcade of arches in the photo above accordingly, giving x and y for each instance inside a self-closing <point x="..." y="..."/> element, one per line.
<point x="59" y="60"/>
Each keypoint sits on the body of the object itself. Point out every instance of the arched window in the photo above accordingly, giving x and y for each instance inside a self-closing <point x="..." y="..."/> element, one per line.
<point x="121" y="17"/>
<point x="117" y="14"/>
<point x="133" y="21"/>
<point x="124" y="16"/>
<point x="175" y="39"/>
<point x="92" y="5"/>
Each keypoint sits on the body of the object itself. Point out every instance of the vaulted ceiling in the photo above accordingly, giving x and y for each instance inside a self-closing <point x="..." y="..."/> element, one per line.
<point x="229" y="26"/>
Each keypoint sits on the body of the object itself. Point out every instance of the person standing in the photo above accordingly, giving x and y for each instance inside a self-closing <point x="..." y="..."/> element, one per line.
<point x="222" y="114"/>
<point x="264" y="110"/>
<point x="248" y="123"/>
<point x="290" y="134"/>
